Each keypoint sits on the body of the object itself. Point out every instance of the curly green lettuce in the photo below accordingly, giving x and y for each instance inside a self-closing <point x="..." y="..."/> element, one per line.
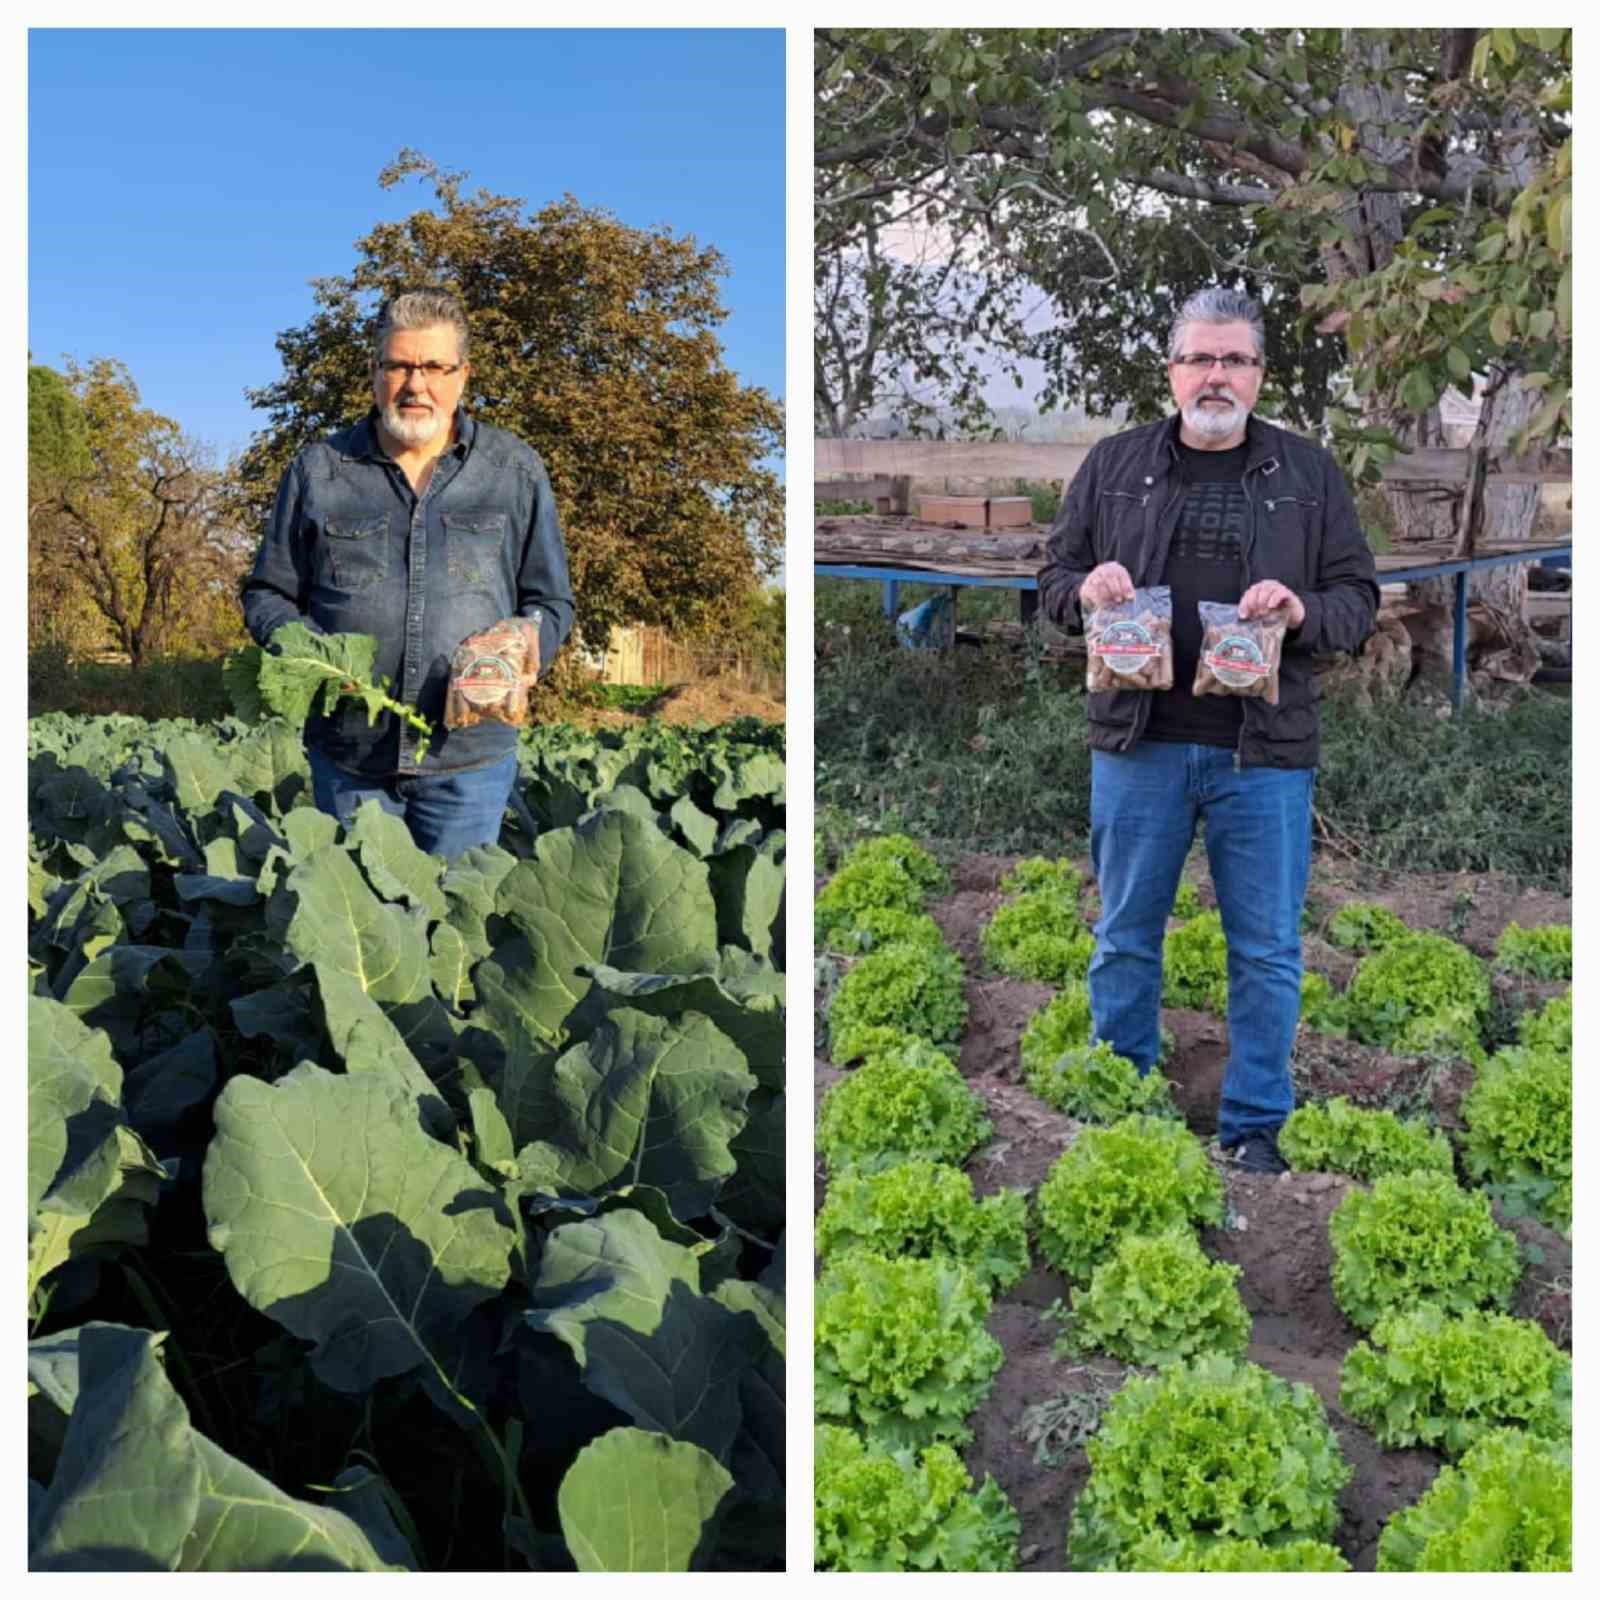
<point x="1036" y="873"/>
<point x="901" y="1348"/>
<point x="1426" y="1377"/>
<point x="1060" y="1024"/>
<point x="1364" y="925"/>
<point x="1518" y="1117"/>
<point x="1549" y="1028"/>
<point x="1419" y="1236"/>
<point x="926" y="1208"/>
<point x="1154" y="1553"/>
<point x="1141" y="1175"/>
<point x="1420" y="994"/>
<point x="1322" y="1008"/>
<point x="1506" y="1506"/>
<point x="1092" y="1083"/>
<point x="1040" y="935"/>
<point x="1544" y="952"/>
<point x="910" y="987"/>
<point x="878" y="927"/>
<point x="1194" y="965"/>
<point x="895" y="1511"/>
<point x="1336" y="1136"/>
<point x="1209" y="1449"/>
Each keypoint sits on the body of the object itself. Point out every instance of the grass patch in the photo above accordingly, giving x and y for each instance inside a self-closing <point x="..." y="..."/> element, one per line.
<point x="158" y="690"/>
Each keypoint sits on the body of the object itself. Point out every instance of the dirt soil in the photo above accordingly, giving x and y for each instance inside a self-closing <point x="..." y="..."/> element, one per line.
<point x="1028" y="1433"/>
<point x="710" y="700"/>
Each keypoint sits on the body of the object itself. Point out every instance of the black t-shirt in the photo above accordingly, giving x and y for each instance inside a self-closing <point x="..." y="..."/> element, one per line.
<point x="1203" y="563"/>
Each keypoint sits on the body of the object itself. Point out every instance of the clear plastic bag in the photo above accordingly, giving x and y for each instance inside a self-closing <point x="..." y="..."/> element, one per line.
<point x="1130" y="641"/>
<point x="491" y="673"/>
<point x="1238" y="657"/>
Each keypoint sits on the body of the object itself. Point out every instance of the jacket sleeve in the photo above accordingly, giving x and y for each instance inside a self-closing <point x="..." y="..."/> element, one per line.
<point x="544" y="589"/>
<point x="276" y="589"/>
<point x="1069" y="552"/>
<point x="1343" y="605"/>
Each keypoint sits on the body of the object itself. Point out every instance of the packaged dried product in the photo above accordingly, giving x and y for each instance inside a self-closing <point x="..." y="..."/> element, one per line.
<point x="1239" y="657"/>
<point x="1130" y="641"/>
<point x="491" y="673"/>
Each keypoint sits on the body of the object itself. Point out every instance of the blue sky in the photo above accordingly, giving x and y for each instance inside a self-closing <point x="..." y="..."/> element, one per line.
<point x="184" y="185"/>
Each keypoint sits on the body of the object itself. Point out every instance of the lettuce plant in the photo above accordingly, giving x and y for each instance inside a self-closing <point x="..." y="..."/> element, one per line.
<point x="1153" y="1553"/>
<point x="1141" y="1175"/>
<point x="904" y="851"/>
<point x="878" y="927"/>
<point x="1335" y="1136"/>
<point x="925" y="1208"/>
<point x="901" y="1348"/>
<point x="1157" y="1300"/>
<point x="1321" y="1008"/>
<point x="1426" y="1377"/>
<point x="1506" y="1506"/>
<point x="1039" y="935"/>
<point x="1422" y="994"/>
<point x="1419" y="1236"/>
<point x="1544" y="952"/>
<point x="910" y="987"/>
<point x="1094" y="1084"/>
<point x="861" y="887"/>
<point x="895" y="1511"/>
<point x="1209" y="1449"/>
<point x="1518" y="1117"/>
<point x="1059" y="1025"/>
<point x="1186" y="903"/>
<point x="1364" y="925"/>
<point x="903" y="1105"/>
<point x="1550" y="1027"/>
<point x="1194" y="965"/>
<point x="1036" y="874"/>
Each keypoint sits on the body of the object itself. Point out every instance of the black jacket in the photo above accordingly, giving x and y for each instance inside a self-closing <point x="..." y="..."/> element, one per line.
<point x="1302" y="530"/>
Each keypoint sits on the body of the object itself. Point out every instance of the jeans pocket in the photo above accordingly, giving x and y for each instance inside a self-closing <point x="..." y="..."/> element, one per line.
<point x="358" y="551"/>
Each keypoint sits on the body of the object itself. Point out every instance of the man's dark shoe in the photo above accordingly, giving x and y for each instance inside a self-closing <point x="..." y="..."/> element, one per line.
<point x="1258" y="1152"/>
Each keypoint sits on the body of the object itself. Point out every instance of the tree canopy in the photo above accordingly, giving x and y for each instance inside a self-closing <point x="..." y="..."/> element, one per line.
<point x="1407" y="192"/>
<point x="593" y="341"/>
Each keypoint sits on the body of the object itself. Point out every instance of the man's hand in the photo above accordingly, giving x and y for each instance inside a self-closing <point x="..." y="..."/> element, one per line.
<point x="1106" y="584"/>
<point x="1268" y="595"/>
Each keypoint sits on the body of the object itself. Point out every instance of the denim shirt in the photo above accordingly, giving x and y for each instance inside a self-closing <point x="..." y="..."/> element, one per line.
<point x="352" y="548"/>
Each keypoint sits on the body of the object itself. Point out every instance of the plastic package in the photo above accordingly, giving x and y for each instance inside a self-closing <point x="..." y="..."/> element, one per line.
<point x="491" y="673"/>
<point x="1238" y="657"/>
<point x="1130" y="642"/>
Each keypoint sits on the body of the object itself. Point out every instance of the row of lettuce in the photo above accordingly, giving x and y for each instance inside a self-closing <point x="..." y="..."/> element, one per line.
<point x="1210" y="1463"/>
<point x="355" y="1175"/>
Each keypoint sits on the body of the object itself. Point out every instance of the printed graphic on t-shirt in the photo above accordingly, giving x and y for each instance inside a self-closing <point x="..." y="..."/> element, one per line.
<point x="1210" y="523"/>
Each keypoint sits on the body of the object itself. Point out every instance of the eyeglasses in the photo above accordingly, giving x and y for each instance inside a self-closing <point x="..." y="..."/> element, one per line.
<point x="1231" y="362"/>
<point x="431" y="370"/>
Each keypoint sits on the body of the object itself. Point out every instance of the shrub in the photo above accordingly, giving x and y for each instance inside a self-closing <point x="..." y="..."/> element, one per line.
<point x="1419" y="1236"/>
<point x="1039" y="875"/>
<point x="924" y="1208"/>
<point x="878" y="927"/>
<point x="1364" y="925"/>
<point x="1425" y="1377"/>
<point x="1194" y="965"/>
<point x="1153" y="1553"/>
<point x="1335" y="1136"/>
<point x="1141" y="1175"/>
<point x="1212" y="1448"/>
<point x="1157" y="1300"/>
<point x="1320" y="1007"/>
<point x="1506" y="1506"/>
<point x="901" y="1348"/>
<point x="1094" y="1084"/>
<point x="907" y="1104"/>
<point x="879" y="1511"/>
<point x="1062" y="1024"/>
<point x="1550" y="1027"/>
<point x="1542" y="953"/>
<point x="1422" y="993"/>
<point x="1518" y="1117"/>
<point x="1039" y="936"/>
<point x="909" y="987"/>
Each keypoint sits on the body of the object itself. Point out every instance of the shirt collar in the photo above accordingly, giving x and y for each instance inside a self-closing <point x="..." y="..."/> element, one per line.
<point x="365" y="446"/>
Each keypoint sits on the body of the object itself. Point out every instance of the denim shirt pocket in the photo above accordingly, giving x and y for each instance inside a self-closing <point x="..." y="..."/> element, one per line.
<point x="475" y="549"/>
<point x="358" y="551"/>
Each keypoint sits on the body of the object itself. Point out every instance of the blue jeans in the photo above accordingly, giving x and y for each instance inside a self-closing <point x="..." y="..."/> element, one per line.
<point x="1143" y="810"/>
<point x="447" y="812"/>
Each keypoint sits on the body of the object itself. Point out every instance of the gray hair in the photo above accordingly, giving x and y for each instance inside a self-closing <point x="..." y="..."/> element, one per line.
<point x="1220" y="305"/>
<point x="422" y="308"/>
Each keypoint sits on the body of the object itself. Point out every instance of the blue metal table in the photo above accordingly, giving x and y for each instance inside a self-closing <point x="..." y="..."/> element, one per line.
<point x="1545" y="555"/>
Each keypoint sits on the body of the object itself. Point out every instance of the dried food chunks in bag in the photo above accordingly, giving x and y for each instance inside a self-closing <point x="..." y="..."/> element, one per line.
<point x="1130" y="642"/>
<point x="491" y="673"/>
<point x="1239" y="657"/>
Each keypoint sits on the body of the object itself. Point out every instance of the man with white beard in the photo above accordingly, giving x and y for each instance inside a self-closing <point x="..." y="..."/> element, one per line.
<point x="424" y="527"/>
<point x="1216" y="505"/>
